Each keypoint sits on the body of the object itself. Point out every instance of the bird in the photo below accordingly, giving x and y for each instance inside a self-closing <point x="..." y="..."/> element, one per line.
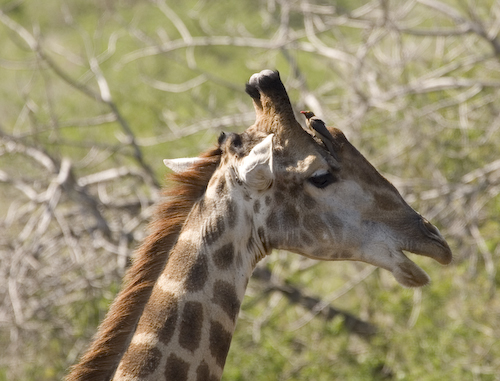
<point x="318" y="128"/>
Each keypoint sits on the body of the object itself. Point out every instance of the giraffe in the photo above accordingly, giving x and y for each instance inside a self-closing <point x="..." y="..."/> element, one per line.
<point x="271" y="187"/>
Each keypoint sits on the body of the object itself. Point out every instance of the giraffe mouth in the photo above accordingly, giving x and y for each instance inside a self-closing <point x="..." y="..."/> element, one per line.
<point x="431" y="244"/>
<point x="408" y="273"/>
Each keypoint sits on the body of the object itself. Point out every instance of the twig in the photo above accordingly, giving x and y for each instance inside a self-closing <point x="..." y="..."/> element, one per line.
<point x="317" y="306"/>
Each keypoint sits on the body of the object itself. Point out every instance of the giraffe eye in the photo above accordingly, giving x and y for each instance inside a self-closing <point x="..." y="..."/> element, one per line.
<point x="322" y="180"/>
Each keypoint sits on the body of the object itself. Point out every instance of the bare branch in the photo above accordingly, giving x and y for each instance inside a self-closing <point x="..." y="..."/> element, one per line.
<point x="176" y="88"/>
<point x="316" y="306"/>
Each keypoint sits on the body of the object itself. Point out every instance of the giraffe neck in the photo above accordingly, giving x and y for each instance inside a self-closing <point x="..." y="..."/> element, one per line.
<point x="187" y="325"/>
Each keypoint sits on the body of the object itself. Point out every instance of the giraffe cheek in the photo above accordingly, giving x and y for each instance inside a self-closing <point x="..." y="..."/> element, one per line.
<point x="306" y="239"/>
<point x="333" y="253"/>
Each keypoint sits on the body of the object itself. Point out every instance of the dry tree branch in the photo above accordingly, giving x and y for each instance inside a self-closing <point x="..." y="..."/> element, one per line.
<point x="246" y="42"/>
<point x="474" y="26"/>
<point x="315" y="305"/>
<point x="208" y="124"/>
<point x="104" y="96"/>
<point x="174" y="87"/>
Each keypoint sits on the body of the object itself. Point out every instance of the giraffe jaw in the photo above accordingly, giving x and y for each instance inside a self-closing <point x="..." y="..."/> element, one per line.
<point x="408" y="273"/>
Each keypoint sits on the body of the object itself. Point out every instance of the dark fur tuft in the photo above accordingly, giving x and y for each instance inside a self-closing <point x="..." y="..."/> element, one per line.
<point x="271" y="82"/>
<point x="253" y="91"/>
<point x="222" y="138"/>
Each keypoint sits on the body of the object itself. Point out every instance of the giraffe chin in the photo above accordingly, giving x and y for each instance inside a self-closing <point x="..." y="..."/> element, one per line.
<point x="408" y="274"/>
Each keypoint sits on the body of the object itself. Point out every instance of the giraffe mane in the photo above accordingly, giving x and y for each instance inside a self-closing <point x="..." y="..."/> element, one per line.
<point x="115" y="332"/>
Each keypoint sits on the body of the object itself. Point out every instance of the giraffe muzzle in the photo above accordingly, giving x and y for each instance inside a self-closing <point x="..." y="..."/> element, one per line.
<point x="433" y="244"/>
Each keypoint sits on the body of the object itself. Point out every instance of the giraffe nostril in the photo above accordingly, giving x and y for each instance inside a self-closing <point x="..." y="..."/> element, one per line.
<point x="430" y="230"/>
<point x="435" y="246"/>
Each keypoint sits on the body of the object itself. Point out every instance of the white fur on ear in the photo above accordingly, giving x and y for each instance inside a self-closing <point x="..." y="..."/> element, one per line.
<point x="181" y="165"/>
<point x="256" y="169"/>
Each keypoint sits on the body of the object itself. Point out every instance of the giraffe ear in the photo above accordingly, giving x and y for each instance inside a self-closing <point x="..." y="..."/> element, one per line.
<point x="256" y="169"/>
<point x="181" y="165"/>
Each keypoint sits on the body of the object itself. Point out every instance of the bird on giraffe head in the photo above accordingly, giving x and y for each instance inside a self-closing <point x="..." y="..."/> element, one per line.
<point x="318" y="128"/>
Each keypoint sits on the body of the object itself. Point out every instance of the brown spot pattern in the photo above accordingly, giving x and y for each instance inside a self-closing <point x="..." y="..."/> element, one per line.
<point x="306" y="239"/>
<point x="224" y="256"/>
<point x="191" y="325"/>
<point x="334" y="223"/>
<point x="219" y="340"/>
<point x="256" y="206"/>
<point x="181" y="260"/>
<point x="272" y="222"/>
<point x="197" y="274"/>
<point x="160" y="315"/>
<point x="239" y="259"/>
<point x="314" y="225"/>
<point x="295" y="189"/>
<point x="214" y="230"/>
<point x="221" y="185"/>
<point x="225" y="296"/>
<point x="278" y="195"/>
<point x="308" y="201"/>
<point x="290" y="217"/>
<point x="263" y="238"/>
<point x="177" y="369"/>
<point x="248" y="218"/>
<point x="231" y="213"/>
<point x="185" y="264"/>
<point x="140" y="361"/>
<point x="250" y="243"/>
<point x="203" y="373"/>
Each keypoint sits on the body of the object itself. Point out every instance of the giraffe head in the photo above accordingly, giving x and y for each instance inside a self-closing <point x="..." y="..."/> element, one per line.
<point x="306" y="200"/>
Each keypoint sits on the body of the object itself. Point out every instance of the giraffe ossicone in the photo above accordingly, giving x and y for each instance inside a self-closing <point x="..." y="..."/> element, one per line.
<point x="271" y="187"/>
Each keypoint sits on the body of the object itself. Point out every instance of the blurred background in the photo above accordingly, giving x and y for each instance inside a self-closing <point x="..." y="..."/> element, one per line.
<point x="94" y="94"/>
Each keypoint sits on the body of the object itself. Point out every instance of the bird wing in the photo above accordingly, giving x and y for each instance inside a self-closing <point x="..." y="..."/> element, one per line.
<point x="324" y="135"/>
